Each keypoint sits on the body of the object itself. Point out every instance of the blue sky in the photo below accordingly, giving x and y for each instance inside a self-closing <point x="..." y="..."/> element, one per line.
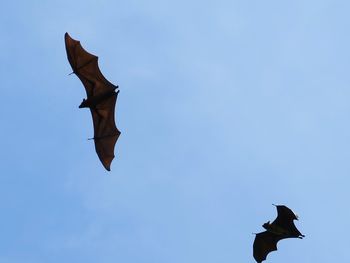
<point x="225" y="107"/>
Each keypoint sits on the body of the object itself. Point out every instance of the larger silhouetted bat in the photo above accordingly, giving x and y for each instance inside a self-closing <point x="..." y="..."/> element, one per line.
<point x="101" y="99"/>
<point x="283" y="227"/>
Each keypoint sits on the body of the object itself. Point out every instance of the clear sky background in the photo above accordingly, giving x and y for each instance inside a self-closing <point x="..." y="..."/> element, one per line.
<point x="225" y="107"/>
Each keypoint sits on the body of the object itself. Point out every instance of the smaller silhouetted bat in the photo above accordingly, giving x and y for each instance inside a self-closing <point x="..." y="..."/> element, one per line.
<point x="101" y="99"/>
<point x="283" y="227"/>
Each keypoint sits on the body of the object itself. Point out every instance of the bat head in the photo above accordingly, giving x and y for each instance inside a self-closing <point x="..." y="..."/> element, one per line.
<point x="83" y="104"/>
<point x="266" y="225"/>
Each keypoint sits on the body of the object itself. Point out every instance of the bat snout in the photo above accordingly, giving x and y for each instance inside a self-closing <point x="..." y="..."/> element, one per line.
<point x="83" y="104"/>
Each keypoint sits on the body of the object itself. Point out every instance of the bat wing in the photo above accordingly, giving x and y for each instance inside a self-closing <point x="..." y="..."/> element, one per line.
<point x="85" y="66"/>
<point x="285" y="213"/>
<point x="264" y="243"/>
<point x="285" y="218"/>
<point x="106" y="133"/>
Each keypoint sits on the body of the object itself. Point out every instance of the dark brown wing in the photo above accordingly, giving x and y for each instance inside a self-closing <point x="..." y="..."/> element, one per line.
<point x="264" y="243"/>
<point x="85" y="66"/>
<point x="285" y="213"/>
<point x="285" y="218"/>
<point x="105" y="131"/>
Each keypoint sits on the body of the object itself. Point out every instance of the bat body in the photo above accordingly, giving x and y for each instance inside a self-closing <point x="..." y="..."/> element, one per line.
<point x="101" y="99"/>
<point x="92" y="102"/>
<point x="282" y="227"/>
